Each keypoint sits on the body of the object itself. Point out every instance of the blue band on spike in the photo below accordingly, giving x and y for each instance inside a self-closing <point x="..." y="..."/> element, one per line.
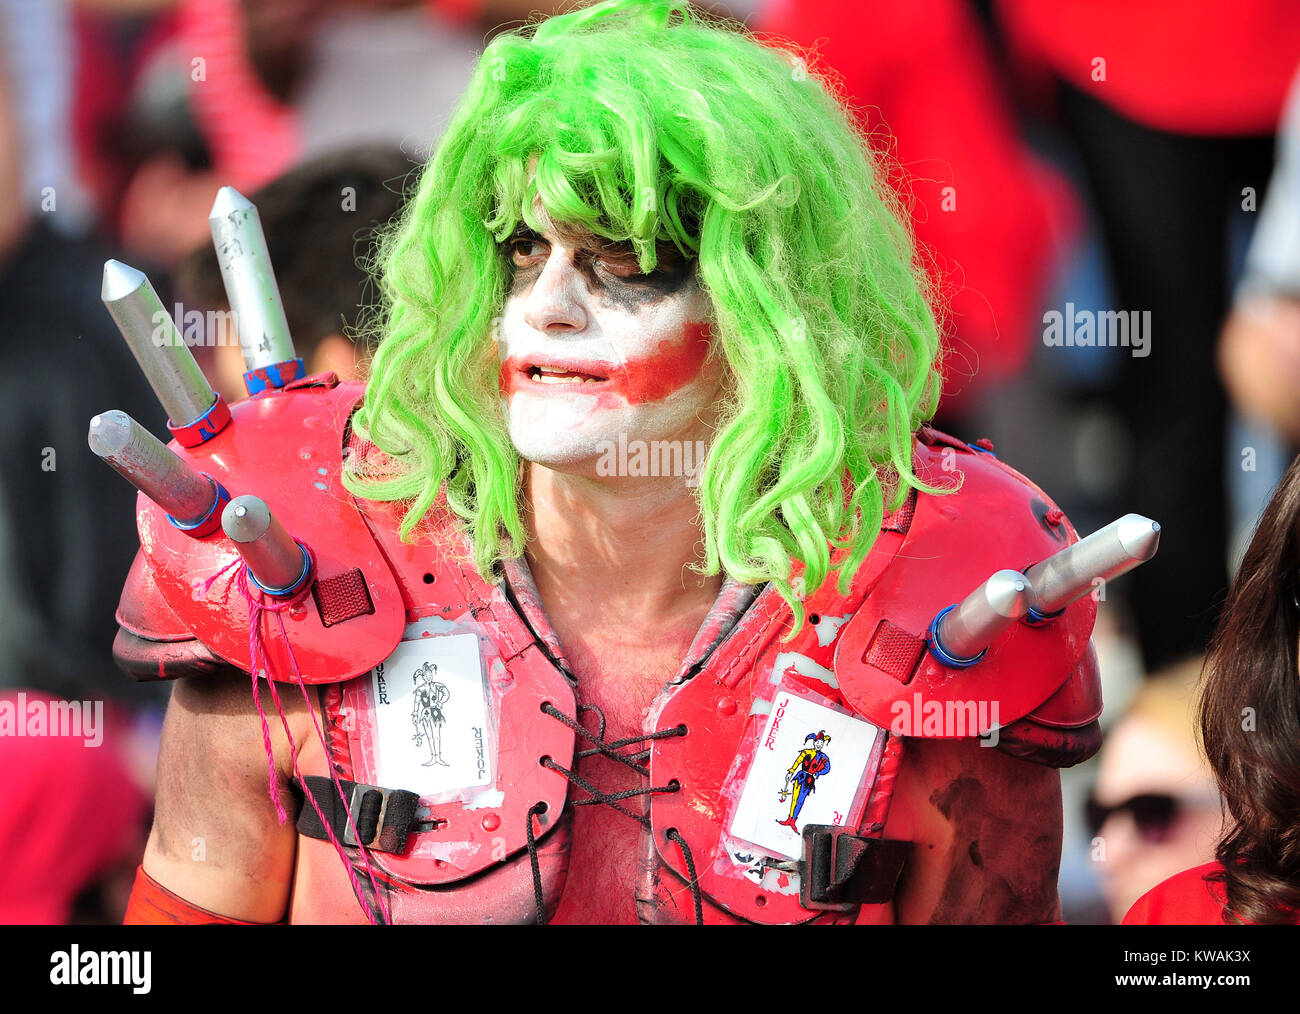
<point x="205" y="427"/>
<point x="281" y="593"/>
<point x="937" y="649"/>
<point x="210" y="521"/>
<point x="1034" y="618"/>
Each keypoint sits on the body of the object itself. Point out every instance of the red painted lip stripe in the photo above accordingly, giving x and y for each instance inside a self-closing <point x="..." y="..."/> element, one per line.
<point x="638" y="380"/>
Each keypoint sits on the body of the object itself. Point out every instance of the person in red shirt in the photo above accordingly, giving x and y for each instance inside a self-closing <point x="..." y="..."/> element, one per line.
<point x="1172" y="106"/>
<point x="923" y="88"/>
<point x="1250" y="725"/>
<point x="1193" y="897"/>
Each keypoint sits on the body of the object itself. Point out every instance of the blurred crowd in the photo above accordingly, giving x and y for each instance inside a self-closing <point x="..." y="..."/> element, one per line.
<point x="1059" y="162"/>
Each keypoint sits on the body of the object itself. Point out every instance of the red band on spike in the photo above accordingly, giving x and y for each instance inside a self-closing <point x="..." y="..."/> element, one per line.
<point x="205" y="427"/>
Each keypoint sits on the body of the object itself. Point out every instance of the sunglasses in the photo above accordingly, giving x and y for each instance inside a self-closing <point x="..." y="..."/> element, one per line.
<point x="1153" y="813"/>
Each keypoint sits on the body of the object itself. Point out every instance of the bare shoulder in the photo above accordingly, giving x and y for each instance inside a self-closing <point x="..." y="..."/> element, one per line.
<point x="986" y="829"/>
<point x="216" y="839"/>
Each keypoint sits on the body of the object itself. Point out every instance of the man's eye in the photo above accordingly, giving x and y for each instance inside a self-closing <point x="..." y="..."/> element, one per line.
<point x="624" y="267"/>
<point x="525" y="249"/>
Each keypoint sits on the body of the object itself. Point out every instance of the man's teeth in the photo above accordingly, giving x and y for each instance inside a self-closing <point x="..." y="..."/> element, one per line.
<point x="546" y="375"/>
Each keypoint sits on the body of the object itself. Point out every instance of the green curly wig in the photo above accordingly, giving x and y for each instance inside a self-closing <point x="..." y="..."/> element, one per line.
<point x="648" y="121"/>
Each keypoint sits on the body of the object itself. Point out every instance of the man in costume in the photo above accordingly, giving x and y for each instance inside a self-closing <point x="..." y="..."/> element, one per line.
<point x="641" y="232"/>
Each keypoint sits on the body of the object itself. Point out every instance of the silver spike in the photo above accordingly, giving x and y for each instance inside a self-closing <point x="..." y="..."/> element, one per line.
<point x="155" y="342"/>
<point x="1107" y="553"/>
<point x="278" y="564"/>
<point x="981" y="616"/>
<point x="250" y="280"/>
<point x="151" y="467"/>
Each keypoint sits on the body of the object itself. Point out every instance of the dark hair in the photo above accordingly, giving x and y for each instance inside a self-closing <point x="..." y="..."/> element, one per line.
<point x="320" y="249"/>
<point x="1250" y="718"/>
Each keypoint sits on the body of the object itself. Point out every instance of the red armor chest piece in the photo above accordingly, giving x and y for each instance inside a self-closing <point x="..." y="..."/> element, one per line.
<point x="725" y="709"/>
<point x="486" y="752"/>
<point x="485" y="846"/>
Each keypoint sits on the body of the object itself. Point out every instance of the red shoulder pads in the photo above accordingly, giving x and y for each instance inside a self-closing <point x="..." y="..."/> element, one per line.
<point x="285" y="447"/>
<point x="998" y="520"/>
<point x="1065" y="730"/>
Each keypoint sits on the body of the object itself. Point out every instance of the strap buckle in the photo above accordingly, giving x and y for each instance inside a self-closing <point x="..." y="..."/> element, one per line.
<point x="366" y="814"/>
<point x="382" y="818"/>
<point x="841" y="871"/>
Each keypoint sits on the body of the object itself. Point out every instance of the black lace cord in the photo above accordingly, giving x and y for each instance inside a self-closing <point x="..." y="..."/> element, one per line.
<point x="600" y="717"/>
<point x="536" y="810"/>
<point x="674" y="835"/>
<point x="642" y="755"/>
<point x="610" y="799"/>
<point x="603" y="748"/>
<point x="617" y="743"/>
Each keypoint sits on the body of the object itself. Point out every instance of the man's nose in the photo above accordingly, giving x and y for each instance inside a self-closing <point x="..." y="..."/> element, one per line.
<point x="556" y="303"/>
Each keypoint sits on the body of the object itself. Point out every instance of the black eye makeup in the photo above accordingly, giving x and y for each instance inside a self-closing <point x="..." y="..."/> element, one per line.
<point x="609" y="266"/>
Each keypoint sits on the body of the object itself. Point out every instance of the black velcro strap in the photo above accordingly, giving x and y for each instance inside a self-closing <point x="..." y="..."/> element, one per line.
<point x="841" y="870"/>
<point x="383" y="817"/>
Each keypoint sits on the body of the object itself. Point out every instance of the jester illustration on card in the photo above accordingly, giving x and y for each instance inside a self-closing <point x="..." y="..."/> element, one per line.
<point x="799" y="728"/>
<point x="427" y="715"/>
<point x="801" y="779"/>
<point x="432" y="713"/>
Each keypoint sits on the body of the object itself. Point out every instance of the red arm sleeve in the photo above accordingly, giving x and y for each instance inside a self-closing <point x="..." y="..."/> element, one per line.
<point x="151" y="904"/>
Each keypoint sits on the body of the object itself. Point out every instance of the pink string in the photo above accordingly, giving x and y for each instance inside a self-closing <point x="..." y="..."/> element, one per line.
<point x="338" y="785"/>
<point x="209" y="582"/>
<point x="257" y="608"/>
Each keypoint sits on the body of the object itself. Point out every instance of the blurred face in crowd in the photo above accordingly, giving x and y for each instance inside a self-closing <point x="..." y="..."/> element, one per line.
<point x="591" y="349"/>
<point x="1158" y="809"/>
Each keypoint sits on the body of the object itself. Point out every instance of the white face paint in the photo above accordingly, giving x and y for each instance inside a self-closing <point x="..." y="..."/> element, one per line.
<point x="592" y="350"/>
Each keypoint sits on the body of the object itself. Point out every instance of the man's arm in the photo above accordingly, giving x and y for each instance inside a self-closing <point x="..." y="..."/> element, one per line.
<point x="216" y="840"/>
<point x="1259" y="348"/>
<point x="986" y="829"/>
<point x="1259" y="360"/>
